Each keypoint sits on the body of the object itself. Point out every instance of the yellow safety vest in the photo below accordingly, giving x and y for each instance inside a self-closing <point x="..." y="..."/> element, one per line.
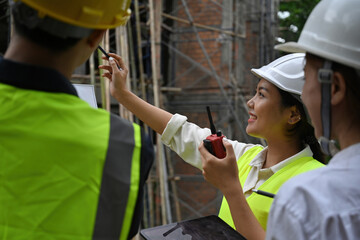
<point x="68" y="171"/>
<point x="259" y="204"/>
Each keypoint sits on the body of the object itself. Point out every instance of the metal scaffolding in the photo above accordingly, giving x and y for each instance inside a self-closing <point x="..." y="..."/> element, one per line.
<point x="181" y="61"/>
<point x="218" y="78"/>
<point x="184" y="55"/>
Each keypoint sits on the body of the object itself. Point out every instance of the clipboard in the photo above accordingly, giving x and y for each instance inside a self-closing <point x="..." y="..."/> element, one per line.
<point x="205" y="228"/>
<point x="87" y="93"/>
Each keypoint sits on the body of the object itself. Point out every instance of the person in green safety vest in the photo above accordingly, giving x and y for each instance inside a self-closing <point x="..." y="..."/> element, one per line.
<point x="276" y="115"/>
<point x="68" y="170"/>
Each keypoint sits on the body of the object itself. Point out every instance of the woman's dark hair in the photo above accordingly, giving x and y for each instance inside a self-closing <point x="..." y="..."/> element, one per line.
<point x="302" y="128"/>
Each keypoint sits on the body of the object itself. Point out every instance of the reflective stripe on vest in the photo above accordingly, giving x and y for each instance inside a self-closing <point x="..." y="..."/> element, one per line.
<point x="65" y="168"/>
<point x="121" y="176"/>
<point x="260" y="205"/>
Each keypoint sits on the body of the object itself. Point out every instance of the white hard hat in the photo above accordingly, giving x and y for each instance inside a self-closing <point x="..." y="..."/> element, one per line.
<point x="287" y="72"/>
<point x="331" y="32"/>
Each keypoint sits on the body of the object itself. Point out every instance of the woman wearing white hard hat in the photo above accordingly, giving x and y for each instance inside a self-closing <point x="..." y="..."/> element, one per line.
<point x="325" y="204"/>
<point x="278" y="92"/>
<point x="276" y="115"/>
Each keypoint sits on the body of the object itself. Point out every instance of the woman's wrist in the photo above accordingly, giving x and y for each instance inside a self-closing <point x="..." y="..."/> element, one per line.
<point x="232" y="189"/>
<point x="121" y="95"/>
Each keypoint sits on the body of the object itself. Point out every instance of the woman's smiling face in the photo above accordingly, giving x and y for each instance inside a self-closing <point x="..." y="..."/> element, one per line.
<point x="268" y="118"/>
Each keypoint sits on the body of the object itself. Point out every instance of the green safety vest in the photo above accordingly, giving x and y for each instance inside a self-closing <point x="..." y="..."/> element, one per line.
<point x="259" y="204"/>
<point x="67" y="171"/>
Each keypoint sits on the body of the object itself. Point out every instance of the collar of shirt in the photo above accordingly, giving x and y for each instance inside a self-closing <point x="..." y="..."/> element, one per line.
<point x="34" y="77"/>
<point x="306" y="152"/>
<point x="347" y="158"/>
<point x="259" y="160"/>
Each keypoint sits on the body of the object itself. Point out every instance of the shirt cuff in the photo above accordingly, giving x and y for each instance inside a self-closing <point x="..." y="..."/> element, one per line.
<point x="172" y="127"/>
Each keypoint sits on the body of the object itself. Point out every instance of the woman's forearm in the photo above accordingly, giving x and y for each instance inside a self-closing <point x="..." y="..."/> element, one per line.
<point x="244" y="219"/>
<point x="152" y="116"/>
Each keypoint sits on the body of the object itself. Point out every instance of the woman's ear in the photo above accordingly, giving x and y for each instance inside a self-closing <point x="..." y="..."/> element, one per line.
<point x="338" y="88"/>
<point x="95" y="37"/>
<point x="295" y="115"/>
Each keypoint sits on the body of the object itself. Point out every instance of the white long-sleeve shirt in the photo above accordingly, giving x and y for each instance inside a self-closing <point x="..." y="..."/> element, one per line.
<point x="321" y="204"/>
<point x="184" y="138"/>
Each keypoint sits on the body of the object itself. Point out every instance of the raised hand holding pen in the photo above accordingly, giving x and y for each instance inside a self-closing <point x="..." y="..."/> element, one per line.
<point x="107" y="56"/>
<point x="116" y="76"/>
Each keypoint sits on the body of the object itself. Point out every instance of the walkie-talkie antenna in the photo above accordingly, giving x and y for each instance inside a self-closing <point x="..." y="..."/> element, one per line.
<point x="212" y="126"/>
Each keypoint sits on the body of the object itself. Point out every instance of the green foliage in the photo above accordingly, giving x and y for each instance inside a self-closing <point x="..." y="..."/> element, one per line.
<point x="299" y="11"/>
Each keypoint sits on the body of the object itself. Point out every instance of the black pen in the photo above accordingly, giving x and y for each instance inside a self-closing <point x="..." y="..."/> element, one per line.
<point x="107" y="55"/>
<point x="104" y="52"/>
<point x="271" y="195"/>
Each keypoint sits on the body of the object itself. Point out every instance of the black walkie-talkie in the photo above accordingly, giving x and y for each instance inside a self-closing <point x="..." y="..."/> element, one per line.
<point x="213" y="143"/>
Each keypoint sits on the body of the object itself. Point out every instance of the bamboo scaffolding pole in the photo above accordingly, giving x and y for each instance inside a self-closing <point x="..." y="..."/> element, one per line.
<point x="155" y="36"/>
<point x="84" y="77"/>
<point x="192" y="23"/>
<point x="149" y="184"/>
<point x="121" y="41"/>
<point x="139" y="49"/>
<point x="92" y="69"/>
<point x="104" y="84"/>
<point x="132" y="70"/>
<point x="173" y="185"/>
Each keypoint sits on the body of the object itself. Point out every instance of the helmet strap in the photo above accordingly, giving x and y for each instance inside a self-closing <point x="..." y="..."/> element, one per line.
<point x="325" y="76"/>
